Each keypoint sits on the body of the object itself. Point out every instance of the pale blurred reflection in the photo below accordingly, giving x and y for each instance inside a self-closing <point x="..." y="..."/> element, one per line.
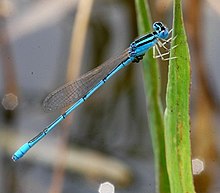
<point x="197" y="166"/>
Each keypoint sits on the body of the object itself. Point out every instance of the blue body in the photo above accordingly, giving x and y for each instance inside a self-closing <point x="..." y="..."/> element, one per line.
<point x="134" y="54"/>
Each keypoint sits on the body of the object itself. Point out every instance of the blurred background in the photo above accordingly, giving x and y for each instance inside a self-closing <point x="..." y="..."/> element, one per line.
<point x="44" y="44"/>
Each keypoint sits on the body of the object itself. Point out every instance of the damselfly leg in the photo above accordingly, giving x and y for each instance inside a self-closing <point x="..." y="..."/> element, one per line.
<point x="162" y="44"/>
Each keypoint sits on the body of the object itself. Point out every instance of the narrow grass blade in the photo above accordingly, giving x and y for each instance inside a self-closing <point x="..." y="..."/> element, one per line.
<point x="177" y="126"/>
<point x="155" y="115"/>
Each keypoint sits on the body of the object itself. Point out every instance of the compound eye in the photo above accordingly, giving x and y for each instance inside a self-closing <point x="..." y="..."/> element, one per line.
<point x="156" y="26"/>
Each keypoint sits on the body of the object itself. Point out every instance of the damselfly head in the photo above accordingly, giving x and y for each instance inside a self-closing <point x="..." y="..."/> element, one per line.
<point x="161" y="30"/>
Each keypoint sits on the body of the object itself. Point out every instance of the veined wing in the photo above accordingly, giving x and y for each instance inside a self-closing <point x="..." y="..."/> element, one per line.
<point x="74" y="90"/>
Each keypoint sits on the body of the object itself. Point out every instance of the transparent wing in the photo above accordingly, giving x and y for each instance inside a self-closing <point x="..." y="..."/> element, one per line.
<point x="72" y="91"/>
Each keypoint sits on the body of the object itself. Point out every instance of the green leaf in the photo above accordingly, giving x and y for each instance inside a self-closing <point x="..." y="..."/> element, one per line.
<point x="152" y="88"/>
<point x="177" y="120"/>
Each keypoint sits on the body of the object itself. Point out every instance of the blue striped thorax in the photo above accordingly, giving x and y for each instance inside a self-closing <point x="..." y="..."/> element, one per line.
<point x="140" y="46"/>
